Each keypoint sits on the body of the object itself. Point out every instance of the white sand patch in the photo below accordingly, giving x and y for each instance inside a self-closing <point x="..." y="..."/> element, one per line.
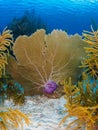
<point x="44" y="113"/>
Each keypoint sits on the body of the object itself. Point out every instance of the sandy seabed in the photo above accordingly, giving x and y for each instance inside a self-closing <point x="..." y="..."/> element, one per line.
<point x="44" y="113"/>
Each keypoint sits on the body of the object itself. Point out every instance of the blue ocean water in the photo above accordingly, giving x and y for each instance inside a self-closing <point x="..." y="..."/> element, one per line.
<point x="71" y="15"/>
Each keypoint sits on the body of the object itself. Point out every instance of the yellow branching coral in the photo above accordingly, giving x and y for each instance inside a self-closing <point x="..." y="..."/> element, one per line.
<point x="82" y="99"/>
<point x="82" y="103"/>
<point x="91" y="61"/>
<point x="10" y="118"/>
<point x="6" y="39"/>
<point x="42" y="59"/>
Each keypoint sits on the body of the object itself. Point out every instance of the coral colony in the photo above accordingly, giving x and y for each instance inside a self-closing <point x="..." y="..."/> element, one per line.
<point x="82" y="98"/>
<point x="44" y="60"/>
<point x="42" y="64"/>
<point x="8" y="116"/>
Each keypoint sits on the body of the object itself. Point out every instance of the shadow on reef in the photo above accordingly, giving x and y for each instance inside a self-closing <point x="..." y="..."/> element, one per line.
<point x="26" y="25"/>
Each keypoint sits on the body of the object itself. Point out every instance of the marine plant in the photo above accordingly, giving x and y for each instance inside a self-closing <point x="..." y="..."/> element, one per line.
<point x="82" y="98"/>
<point x="8" y="117"/>
<point x="42" y="60"/>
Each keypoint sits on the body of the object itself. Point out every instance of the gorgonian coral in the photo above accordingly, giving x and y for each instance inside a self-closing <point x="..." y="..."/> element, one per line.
<point x="82" y="98"/>
<point x="81" y="103"/>
<point x="44" y="60"/>
<point x="90" y="63"/>
<point x="8" y="116"/>
<point x="6" y="39"/>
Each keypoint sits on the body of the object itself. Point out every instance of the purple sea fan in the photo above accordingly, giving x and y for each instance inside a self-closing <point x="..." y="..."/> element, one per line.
<point x="45" y="58"/>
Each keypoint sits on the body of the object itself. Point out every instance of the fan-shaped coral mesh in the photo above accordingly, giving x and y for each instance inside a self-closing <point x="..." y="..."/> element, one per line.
<point x="42" y="58"/>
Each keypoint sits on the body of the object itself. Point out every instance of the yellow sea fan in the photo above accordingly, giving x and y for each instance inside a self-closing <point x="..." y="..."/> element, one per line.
<point x="6" y="39"/>
<point x="10" y="118"/>
<point x="42" y="58"/>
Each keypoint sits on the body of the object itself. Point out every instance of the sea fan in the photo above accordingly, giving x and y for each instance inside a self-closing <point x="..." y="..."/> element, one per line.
<point x="6" y="39"/>
<point x="44" y="60"/>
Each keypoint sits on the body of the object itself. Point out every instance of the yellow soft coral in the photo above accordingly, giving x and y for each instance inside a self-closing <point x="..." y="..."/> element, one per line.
<point x="91" y="61"/>
<point x="81" y="103"/>
<point x="42" y="58"/>
<point x="82" y="98"/>
<point x="6" y="39"/>
<point x="10" y="118"/>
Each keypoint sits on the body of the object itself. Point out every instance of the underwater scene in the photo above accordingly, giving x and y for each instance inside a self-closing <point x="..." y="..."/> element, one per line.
<point x="49" y="65"/>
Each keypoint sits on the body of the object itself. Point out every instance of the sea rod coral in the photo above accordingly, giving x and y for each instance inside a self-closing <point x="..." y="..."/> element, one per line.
<point x="81" y="103"/>
<point x="6" y="39"/>
<point x="82" y="98"/>
<point x="8" y="117"/>
<point x="42" y="61"/>
<point x="90" y="63"/>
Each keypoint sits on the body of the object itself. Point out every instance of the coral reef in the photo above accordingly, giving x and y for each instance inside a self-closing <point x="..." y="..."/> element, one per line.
<point x="26" y="24"/>
<point x="7" y="84"/>
<point x="90" y="63"/>
<point x="82" y="98"/>
<point x="11" y="89"/>
<point x="8" y="116"/>
<point x="41" y="58"/>
<point x="82" y="103"/>
<point x="6" y="39"/>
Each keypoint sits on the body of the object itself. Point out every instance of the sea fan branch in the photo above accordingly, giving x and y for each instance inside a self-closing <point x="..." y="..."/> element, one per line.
<point x="36" y="68"/>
